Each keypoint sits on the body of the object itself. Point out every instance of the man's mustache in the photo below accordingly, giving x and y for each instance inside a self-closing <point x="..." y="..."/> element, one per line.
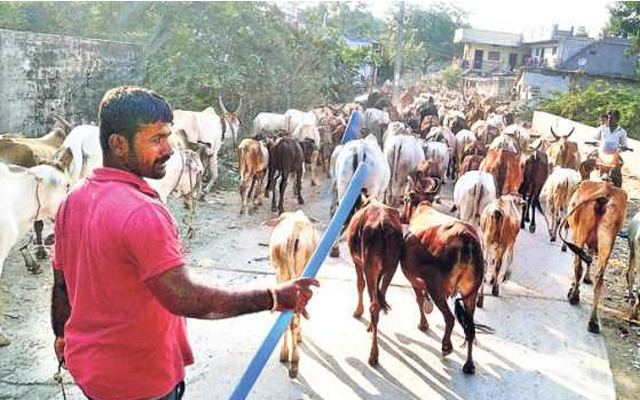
<point x="163" y="160"/>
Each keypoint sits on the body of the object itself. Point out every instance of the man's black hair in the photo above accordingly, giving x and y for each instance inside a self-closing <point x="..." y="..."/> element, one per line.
<point x="604" y="116"/>
<point x="615" y="113"/>
<point x="124" y="109"/>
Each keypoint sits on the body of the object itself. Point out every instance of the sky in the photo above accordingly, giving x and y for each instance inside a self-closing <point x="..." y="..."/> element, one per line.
<point x="519" y="16"/>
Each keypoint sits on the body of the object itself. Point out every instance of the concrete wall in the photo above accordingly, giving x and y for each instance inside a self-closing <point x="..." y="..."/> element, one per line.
<point x="41" y="74"/>
<point x="495" y="86"/>
<point x="536" y="84"/>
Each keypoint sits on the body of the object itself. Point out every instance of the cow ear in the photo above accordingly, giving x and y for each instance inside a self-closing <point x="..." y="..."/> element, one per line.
<point x="273" y="222"/>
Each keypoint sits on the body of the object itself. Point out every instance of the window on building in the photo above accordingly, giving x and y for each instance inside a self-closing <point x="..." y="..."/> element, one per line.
<point x="494" y="56"/>
<point x="592" y="52"/>
<point x="554" y="50"/>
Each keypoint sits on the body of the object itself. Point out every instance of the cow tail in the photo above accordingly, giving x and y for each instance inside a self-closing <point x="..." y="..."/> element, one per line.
<point x="600" y="202"/>
<point x="494" y="226"/>
<point x="501" y="178"/>
<point x="477" y="196"/>
<point x="395" y="160"/>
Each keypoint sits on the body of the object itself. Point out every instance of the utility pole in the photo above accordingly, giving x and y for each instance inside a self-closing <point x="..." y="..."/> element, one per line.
<point x="400" y="45"/>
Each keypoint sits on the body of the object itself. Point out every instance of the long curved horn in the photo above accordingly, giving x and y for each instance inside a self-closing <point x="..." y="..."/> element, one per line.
<point x="436" y="186"/>
<point x="570" y="132"/>
<point x="222" y="107"/>
<point x="63" y="121"/>
<point x="239" y="107"/>
<point x="554" y="134"/>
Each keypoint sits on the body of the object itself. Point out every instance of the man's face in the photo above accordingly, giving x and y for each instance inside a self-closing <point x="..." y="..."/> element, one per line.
<point x="604" y="120"/>
<point x="150" y="150"/>
<point x="613" y="120"/>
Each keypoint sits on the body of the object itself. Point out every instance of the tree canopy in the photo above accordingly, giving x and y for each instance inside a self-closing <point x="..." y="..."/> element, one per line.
<point x="624" y="20"/>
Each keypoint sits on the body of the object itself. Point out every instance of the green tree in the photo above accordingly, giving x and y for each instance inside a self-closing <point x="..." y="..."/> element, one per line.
<point x="587" y="105"/>
<point x="624" y="20"/>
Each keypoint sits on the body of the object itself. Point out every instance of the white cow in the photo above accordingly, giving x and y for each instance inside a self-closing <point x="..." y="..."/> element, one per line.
<point x="395" y="128"/>
<point x="83" y="142"/>
<point x="439" y="152"/>
<point x="404" y="154"/>
<point x="293" y="118"/>
<point x="347" y="159"/>
<point x="555" y="196"/>
<point x="29" y="194"/>
<point x="376" y="121"/>
<point x="268" y="122"/>
<point x="203" y="127"/>
<point x="473" y="191"/>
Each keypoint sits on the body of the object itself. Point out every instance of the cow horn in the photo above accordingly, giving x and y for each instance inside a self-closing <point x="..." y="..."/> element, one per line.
<point x="570" y="132"/>
<point x="222" y="107"/>
<point x="435" y="187"/>
<point x="239" y="107"/>
<point x="63" y="121"/>
<point x="554" y="134"/>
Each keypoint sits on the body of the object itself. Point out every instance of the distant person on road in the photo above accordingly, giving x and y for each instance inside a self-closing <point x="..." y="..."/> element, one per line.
<point x="612" y="137"/>
<point x="121" y="289"/>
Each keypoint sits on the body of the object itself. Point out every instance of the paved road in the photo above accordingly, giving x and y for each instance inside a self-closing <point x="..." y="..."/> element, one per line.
<point x="540" y="350"/>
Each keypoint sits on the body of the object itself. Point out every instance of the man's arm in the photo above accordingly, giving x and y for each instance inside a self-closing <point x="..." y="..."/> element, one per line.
<point x="179" y="294"/>
<point x="60" y="307"/>
<point x="60" y="311"/>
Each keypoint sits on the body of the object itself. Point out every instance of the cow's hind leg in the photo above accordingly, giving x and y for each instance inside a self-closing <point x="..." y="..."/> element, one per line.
<point x="587" y="273"/>
<point x="470" y="332"/>
<point x="423" y="325"/>
<point x="441" y="302"/>
<point x="634" y="300"/>
<point x="41" y="251"/>
<point x="574" y="292"/>
<point x="372" y="274"/>
<point x="295" y="353"/>
<point x="605" y="245"/>
<point x="360" y="286"/>
<point x="299" y="186"/>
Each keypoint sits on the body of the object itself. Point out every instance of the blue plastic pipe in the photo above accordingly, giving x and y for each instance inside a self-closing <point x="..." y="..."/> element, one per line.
<point x="311" y="270"/>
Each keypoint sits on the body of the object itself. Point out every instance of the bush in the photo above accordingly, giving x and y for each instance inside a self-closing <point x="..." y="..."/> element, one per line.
<point x="451" y="77"/>
<point x="599" y="97"/>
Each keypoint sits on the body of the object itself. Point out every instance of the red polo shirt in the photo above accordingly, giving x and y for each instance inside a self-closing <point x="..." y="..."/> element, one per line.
<point x="112" y="234"/>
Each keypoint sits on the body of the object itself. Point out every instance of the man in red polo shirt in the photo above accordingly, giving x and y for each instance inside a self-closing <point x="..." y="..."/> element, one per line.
<point x="121" y="289"/>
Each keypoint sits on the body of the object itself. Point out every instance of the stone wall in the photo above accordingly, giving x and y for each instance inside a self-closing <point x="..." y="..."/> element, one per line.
<point x="42" y="74"/>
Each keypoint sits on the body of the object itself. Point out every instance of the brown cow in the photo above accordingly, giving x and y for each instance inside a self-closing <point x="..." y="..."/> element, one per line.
<point x="428" y="122"/>
<point x="253" y="161"/>
<point x="29" y="152"/>
<point x="505" y="168"/>
<point x="563" y="153"/>
<point x="597" y="211"/>
<point x="443" y="257"/>
<point x="470" y="163"/>
<point x="535" y="170"/>
<point x="375" y="241"/>
<point x="291" y="245"/>
<point x="285" y="157"/>
<point x="500" y="227"/>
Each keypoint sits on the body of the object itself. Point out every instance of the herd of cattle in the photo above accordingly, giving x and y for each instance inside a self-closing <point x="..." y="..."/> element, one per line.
<point x="501" y="173"/>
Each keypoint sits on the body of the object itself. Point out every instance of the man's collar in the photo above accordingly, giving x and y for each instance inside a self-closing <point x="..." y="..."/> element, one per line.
<point x="106" y="174"/>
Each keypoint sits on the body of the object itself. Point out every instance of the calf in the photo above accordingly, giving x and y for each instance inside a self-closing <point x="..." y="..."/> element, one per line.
<point x="291" y="245"/>
<point x="597" y="211"/>
<point x="443" y="257"/>
<point x="500" y="226"/>
<point x="404" y="155"/>
<point x="375" y="241"/>
<point x="535" y="172"/>
<point x="472" y="193"/>
<point x="555" y="194"/>
<point x="253" y="162"/>
<point x="309" y="138"/>
<point x="505" y="168"/>
<point x="285" y="158"/>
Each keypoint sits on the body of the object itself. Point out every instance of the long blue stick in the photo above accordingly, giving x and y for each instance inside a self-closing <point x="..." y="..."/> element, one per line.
<point x="328" y="238"/>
